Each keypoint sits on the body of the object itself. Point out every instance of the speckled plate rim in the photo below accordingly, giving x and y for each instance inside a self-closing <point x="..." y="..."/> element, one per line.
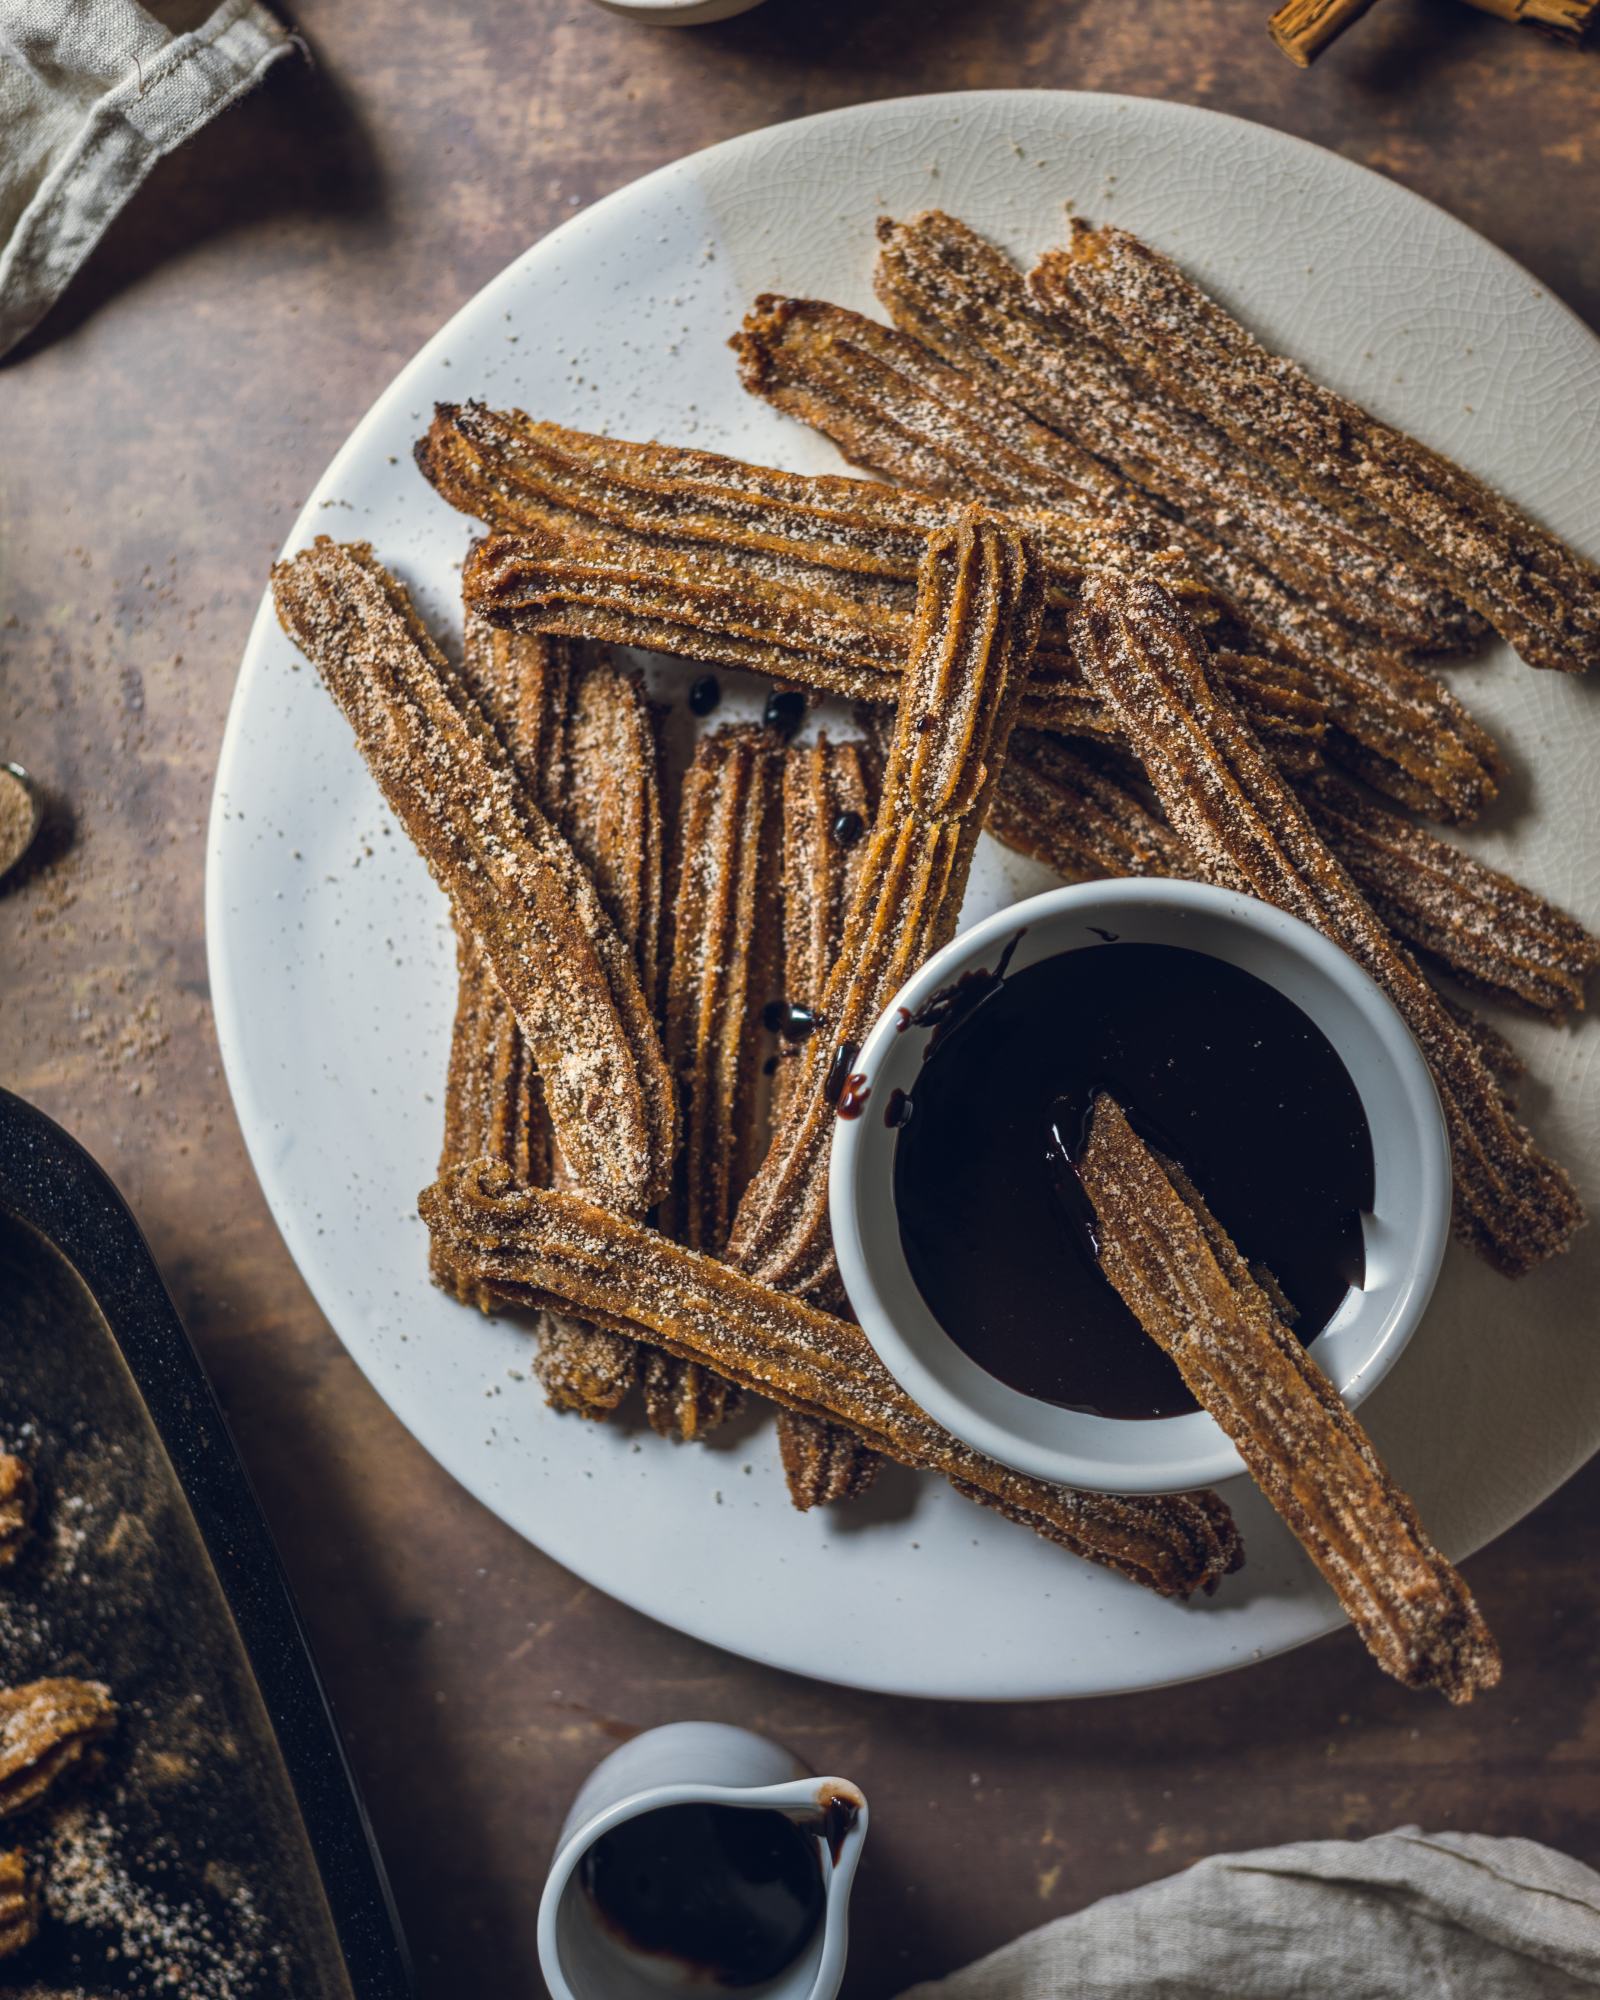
<point x="842" y="1599"/>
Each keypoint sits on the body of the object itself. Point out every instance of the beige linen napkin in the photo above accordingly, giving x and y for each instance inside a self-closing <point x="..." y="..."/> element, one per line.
<point x="1403" y="1916"/>
<point x="92" y="93"/>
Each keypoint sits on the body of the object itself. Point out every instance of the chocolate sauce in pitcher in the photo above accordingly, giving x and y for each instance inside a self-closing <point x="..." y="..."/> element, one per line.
<point x="730" y="1893"/>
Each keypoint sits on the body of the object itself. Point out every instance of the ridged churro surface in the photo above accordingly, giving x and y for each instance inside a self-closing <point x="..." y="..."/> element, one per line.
<point x="1184" y="1280"/>
<point x="508" y="873"/>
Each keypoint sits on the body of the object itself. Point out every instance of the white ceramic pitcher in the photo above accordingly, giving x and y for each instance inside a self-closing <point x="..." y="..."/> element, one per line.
<point x="694" y="1763"/>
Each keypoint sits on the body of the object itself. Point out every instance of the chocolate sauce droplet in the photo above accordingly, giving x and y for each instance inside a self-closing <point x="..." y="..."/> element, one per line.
<point x="785" y="711"/>
<point x="839" y="1071"/>
<point x="897" y="1111"/>
<point x="787" y="1018"/>
<point x="704" y="694"/>
<point x="848" y="828"/>
<point x="853" y="1097"/>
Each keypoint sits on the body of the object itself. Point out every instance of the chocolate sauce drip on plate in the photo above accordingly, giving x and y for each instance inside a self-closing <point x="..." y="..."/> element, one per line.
<point x="793" y="1022"/>
<point x="785" y="711"/>
<point x="839" y="1071"/>
<point x="1215" y="1068"/>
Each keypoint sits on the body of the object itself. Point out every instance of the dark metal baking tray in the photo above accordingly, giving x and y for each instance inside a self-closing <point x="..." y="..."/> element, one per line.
<point x="155" y="1571"/>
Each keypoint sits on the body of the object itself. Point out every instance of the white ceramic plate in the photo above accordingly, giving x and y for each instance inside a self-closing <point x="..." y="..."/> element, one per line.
<point x="331" y="964"/>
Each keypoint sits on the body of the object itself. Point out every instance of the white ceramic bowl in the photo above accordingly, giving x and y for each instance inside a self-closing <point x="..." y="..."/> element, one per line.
<point x="1405" y="1236"/>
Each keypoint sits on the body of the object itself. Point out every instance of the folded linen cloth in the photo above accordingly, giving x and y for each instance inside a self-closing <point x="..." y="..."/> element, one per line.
<point x="92" y="93"/>
<point x="1403" y="1914"/>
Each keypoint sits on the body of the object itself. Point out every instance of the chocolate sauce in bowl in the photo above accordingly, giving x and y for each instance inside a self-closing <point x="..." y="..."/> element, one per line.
<point x="732" y="1893"/>
<point x="1214" y="1067"/>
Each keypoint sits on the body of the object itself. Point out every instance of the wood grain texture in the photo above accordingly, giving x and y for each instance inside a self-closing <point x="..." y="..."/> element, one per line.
<point x="156" y="438"/>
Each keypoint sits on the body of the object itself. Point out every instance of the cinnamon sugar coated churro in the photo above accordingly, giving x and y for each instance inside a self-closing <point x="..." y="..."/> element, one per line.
<point x="1184" y="1280"/>
<point x="17" y="1499"/>
<point x="1485" y="929"/>
<point x="725" y="924"/>
<point x="601" y="784"/>
<point x="943" y="284"/>
<point x="48" y="1730"/>
<point x="494" y="1106"/>
<point x="539" y="1244"/>
<point x="894" y="408"/>
<point x="1069" y="805"/>
<point x="1538" y="594"/>
<point x="978" y="615"/>
<point x="1228" y="804"/>
<point x="829" y="792"/>
<point x="20" y="1900"/>
<point x="509" y="874"/>
<point x="724" y="971"/>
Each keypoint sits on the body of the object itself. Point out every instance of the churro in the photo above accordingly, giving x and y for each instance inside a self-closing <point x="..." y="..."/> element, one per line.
<point x="508" y="872"/>
<point x="1223" y="797"/>
<point x="533" y="1244"/>
<point x="17" y="1500"/>
<point x="720" y="979"/>
<point x="832" y="538"/>
<point x="829" y="793"/>
<point x="1540" y="596"/>
<point x="978" y="613"/>
<point x="897" y="410"/>
<point x="603" y="790"/>
<point x="49" y="1730"/>
<point x="494" y="1106"/>
<point x="1474" y="921"/>
<point x="724" y="972"/>
<point x="706" y="607"/>
<point x="944" y="285"/>
<point x="1069" y="805"/>
<point x="1185" y="1281"/>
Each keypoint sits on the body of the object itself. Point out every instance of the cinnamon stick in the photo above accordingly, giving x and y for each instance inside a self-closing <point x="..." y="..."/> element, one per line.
<point x="1568" y="20"/>
<point x="1304" y="28"/>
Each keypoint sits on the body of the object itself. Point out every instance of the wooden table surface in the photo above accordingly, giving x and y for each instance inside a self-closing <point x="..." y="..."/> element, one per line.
<point x="156" y="439"/>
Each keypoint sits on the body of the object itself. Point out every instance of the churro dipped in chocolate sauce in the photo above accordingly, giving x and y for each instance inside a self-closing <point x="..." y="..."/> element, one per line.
<point x="989" y="1217"/>
<point x="1184" y="1280"/>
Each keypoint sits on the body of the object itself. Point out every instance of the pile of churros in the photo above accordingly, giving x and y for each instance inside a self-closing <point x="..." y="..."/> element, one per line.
<point x="1123" y="589"/>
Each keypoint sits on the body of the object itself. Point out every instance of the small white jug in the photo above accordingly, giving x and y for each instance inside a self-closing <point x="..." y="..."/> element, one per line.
<point x="695" y="1763"/>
